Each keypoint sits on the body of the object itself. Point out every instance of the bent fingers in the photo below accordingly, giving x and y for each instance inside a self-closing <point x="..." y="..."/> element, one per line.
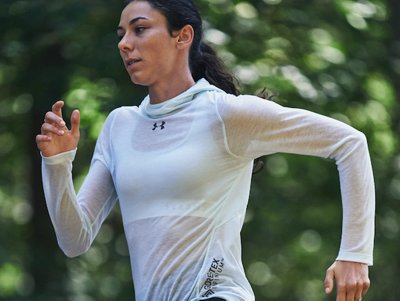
<point x="42" y="138"/>
<point x="47" y="129"/>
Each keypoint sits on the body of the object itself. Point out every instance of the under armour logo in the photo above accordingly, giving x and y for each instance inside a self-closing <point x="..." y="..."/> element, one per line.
<point x="157" y="125"/>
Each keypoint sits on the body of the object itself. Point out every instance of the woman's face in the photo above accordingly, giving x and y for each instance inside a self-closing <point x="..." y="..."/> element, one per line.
<point x="146" y="46"/>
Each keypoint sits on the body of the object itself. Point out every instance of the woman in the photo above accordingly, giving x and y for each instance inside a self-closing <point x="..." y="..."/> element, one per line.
<point x="182" y="217"/>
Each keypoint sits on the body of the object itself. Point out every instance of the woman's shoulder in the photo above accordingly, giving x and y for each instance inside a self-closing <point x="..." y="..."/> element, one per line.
<point x="123" y="111"/>
<point x="237" y="102"/>
<point x="121" y="114"/>
<point x="222" y="97"/>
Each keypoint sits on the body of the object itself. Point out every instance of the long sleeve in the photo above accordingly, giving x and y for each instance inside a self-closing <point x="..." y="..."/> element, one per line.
<point x="77" y="217"/>
<point x="255" y="127"/>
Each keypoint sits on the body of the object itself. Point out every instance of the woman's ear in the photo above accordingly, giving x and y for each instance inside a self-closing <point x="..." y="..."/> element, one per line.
<point x="185" y="37"/>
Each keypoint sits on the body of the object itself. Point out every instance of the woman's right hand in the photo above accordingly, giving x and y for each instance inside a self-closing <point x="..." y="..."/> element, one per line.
<point x="55" y="137"/>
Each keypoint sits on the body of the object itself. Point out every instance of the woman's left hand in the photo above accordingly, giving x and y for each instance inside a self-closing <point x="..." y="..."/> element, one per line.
<point x="351" y="280"/>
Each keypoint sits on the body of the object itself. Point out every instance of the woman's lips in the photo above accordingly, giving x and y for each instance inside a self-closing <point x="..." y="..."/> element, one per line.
<point x="131" y="63"/>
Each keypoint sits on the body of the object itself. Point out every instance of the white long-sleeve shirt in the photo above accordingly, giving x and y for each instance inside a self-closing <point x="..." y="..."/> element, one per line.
<point x="181" y="171"/>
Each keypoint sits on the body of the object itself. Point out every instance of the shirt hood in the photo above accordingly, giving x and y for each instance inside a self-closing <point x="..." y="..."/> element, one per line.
<point x="171" y="105"/>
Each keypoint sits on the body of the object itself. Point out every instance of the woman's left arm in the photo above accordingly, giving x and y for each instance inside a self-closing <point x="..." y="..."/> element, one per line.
<point x="256" y="127"/>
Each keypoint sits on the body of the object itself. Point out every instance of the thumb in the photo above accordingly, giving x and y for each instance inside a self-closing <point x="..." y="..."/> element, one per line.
<point x="75" y="121"/>
<point x="329" y="281"/>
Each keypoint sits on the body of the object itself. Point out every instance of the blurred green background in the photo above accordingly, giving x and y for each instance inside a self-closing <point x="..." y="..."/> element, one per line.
<point x="340" y="58"/>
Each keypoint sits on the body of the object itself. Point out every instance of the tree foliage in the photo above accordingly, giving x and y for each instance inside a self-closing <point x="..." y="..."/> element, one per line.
<point x="340" y="58"/>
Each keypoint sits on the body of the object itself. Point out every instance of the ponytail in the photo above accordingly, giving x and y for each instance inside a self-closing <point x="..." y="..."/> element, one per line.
<point x="204" y="63"/>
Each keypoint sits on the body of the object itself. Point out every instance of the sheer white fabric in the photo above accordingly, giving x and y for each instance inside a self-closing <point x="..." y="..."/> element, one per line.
<point x="181" y="172"/>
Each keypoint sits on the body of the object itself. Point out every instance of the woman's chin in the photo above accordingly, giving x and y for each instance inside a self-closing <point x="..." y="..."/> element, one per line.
<point x="138" y="81"/>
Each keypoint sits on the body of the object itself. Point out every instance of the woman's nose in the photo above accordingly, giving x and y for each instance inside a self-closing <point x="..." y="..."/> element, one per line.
<point x="125" y="44"/>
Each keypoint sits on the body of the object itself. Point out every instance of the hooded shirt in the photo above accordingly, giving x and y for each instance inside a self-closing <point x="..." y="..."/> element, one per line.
<point x="181" y="171"/>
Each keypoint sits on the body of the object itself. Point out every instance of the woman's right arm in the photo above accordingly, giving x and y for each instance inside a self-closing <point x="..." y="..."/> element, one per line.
<point x="76" y="218"/>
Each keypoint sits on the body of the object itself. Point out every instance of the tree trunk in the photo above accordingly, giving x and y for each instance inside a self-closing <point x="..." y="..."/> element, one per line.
<point x="46" y="270"/>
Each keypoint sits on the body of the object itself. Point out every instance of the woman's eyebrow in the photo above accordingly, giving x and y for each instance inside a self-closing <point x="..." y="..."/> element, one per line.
<point x="133" y="21"/>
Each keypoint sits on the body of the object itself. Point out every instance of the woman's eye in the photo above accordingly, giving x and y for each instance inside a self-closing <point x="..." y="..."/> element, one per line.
<point x="139" y="29"/>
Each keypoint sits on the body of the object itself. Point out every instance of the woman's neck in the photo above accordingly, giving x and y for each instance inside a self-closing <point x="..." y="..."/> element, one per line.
<point x="170" y="87"/>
